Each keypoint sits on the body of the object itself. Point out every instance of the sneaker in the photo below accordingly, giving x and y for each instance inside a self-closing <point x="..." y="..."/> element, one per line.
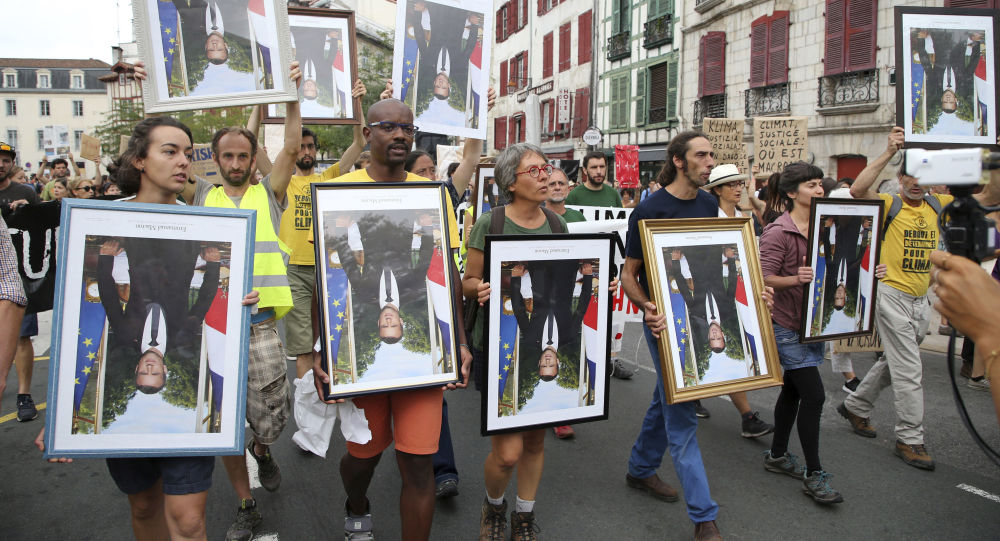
<point x="982" y="384"/>
<point x="523" y="527"/>
<point x="861" y="426"/>
<point x="619" y="371"/>
<point x="493" y="522"/>
<point x="26" y="410"/>
<point x="247" y="520"/>
<point x="707" y="531"/>
<point x="700" y="410"/>
<point x="564" y="432"/>
<point x="358" y="527"/>
<point x="754" y="427"/>
<point x="653" y="485"/>
<point x="851" y="386"/>
<point x="446" y="489"/>
<point x="915" y="455"/>
<point x="267" y="469"/>
<point x="817" y="485"/>
<point x="787" y="464"/>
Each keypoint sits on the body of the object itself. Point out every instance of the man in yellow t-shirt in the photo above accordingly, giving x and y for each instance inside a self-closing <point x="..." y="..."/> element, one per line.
<point x="901" y="310"/>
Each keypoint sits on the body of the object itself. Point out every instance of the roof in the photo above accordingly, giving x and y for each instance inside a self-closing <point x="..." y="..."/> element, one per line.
<point x="65" y="63"/>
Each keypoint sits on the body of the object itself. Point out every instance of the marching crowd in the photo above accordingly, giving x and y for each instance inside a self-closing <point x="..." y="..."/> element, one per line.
<point x="167" y="495"/>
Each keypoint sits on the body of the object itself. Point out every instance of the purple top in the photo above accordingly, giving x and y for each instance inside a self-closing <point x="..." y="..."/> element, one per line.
<point x="782" y="247"/>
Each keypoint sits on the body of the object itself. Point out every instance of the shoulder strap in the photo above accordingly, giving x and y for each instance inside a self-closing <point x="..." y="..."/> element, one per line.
<point x="933" y="202"/>
<point x="497" y="216"/>
<point x="894" y="208"/>
<point x="554" y="224"/>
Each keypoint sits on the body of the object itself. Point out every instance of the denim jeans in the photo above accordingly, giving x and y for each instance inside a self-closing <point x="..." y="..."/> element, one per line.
<point x="672" y="426"/>
<point x="444" y="459"/>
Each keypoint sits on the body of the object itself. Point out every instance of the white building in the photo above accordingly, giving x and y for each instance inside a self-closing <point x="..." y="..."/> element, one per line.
<point x="43" y="92"/>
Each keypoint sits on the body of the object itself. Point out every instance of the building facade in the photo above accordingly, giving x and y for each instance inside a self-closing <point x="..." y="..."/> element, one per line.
<point x="48" y="92"/>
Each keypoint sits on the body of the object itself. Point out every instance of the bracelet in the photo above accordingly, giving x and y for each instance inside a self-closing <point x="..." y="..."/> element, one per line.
<point x="466" y="346"/>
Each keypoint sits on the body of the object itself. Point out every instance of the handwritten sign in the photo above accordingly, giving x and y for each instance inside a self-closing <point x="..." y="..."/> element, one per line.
<point x="203" y="166"/>
<point x="857" y="344"/>
<point x="122" y="144"/>
<point x="779" y="141"/>
<point x="726" y="135"/>
<point x="90" y="148"/>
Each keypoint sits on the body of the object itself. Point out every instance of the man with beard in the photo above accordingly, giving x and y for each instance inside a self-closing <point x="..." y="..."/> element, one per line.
<point x="60" y="170"/>
<point x="558" y="185"/>
<point x="593" y="192"/>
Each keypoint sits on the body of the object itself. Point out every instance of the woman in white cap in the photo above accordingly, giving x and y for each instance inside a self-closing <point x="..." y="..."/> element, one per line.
<point x="727" y="184"/>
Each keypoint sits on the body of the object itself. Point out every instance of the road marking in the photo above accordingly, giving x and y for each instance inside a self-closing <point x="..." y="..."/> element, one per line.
<point x="13" y="415"/>
<point x="42" y="358"/>
<point x="252" y="470"/>
<point x="979" y="492"/>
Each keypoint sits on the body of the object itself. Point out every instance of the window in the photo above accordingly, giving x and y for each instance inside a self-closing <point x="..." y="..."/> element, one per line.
<point x="660" y="7"/>
<point x="503" y="78"/>
<point x="548" y="118"/>
<point x="41" y="140"/>
<point x="618" y="113"/>
<point x="522" y="13"/>
<point x="564" y="47"/>
<point x="11" y="108"/>
<point x="547" y="55"/>
<point x="712" y="64"/>
<point x="10" y="80"/>
<point x="661" y="89"/>
<point x="850" y="36"/>
<point x="519" y="71"/>
<point x="502" y="23"/>
<point x="77" y="107"/>
<point x="122" y="79"/>
<point x="77" y="81"/>
<point x="500" y="133"/>
<point x="584" y="37"/>
<point x="581" y="113"/>
<point x="43" y="81"/>
<point x="516" y="129"/>
<point x="769" y="50"/>
<point x="621" y="16"/>
<point x="545" y="6"/>
<point x="513" y="20"/>
<point x="77" y="137"/>
<point x="43" y="108"/>
<point x="990" y="4"/>
<point x="12" y="138"/>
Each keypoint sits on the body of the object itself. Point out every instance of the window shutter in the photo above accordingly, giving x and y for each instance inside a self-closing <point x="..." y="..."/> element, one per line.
<point x="672" y="74"/>
<point x="547" y="55"/>
<point x="758" y="52"/>
<point x="564" y="48"/>
<point x="701" y="65"/>
<point x="524" y="70"/>
<point x="512" y="130"/>
<point x="503" y="78"/>
<point x="777" y="48"/>
<point x="714" y="63"/>
<point x="640" y="92"/>
<point x="990" y="4"/>
<point x="499" y="25"/>
<point x="582" y="118"/>
<point x="624" y="88"/>
<point x="512" y="17"/>
<point x="521" y="130"/>
<point x="861" y="33"/>
<point x="552" y="115"/>
<point x="541" y="7"/>
<point x="584" y="37"/>
<point x="500" y="133"/>
<point x="616" y="16"/>
<point x="833" y="60"/>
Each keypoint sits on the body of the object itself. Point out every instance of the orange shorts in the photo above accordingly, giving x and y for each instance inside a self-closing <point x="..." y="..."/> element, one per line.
<point x="411" y="418"/>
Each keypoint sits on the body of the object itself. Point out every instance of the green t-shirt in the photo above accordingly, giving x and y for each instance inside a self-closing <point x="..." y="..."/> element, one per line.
<point x="477" y="240"/>
<point x="605" y="197"/>
<point x="571" y="216"/>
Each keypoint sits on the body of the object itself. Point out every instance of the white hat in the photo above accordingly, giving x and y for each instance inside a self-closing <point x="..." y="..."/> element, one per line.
<point x="724" y="174"/>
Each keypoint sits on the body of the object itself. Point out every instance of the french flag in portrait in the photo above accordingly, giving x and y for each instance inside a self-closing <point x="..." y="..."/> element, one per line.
<point x="475" y="82"/>
<point x="440" y="300"/>
<point x="680" y="320"/>
<point x="343" y="84"/>
<point x="591" y="345"/>
<point x="215" y="344"/>
<point x="88" y="352"/>
<point x="984" y="92"/>
<point x="751" y="330"/>
<point x="264" y="35"/>
<point x="819" y="275"/>
<point x="864" y="285"/>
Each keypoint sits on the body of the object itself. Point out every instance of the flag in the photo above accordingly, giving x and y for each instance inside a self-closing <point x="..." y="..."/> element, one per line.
<point x="88" y="351"/>
<point x="591" y="344"/>
<point x="819" y="274"/>
<point x="627" y="166"/>
<point x="683" y="334"/>
<point x="342" y="83"/>
<point x="917" y="84"/>
<point x="168" y="34"/>
<point x="264" y="36"/>
<point x="475" y="81"/>
<point x="508" y="334"/>
<point x="409" y="63"/>
<point x="748" y="324"/>
<point x="215" y="343"/>
<point x="865" y="284"/>
<point x="984" y="93"/>
<point x="439" y="298"/>
<point x="336" y="298"/>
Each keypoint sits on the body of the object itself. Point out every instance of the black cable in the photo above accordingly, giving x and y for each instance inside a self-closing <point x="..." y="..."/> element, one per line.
<point x="962" y="412"/>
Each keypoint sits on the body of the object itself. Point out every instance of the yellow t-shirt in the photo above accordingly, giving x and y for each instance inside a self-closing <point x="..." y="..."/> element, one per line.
<point x="908" y="243"/>
<point x="296" y="221"/>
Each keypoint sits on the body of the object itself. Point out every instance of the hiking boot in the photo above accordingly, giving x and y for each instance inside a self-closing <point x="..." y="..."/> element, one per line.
<point x="267" y="469"/>
<point x="817" y="485"/>
<point x="981" y="384"/>
<point x="851" y="386"/>
<point x="700" y="410"/>
<point x="26" y="410"/>
<point x="753" y="427"/>
<point x="564" y="432"/>
<point x="861" y="426"/>
<point x="915" y="455"/>
<point x="247" y="520"/>
<point x="619" y="371"/>
<point x="446" y="489"/>
<point x="653" y="485"/>
<point x="493" y="522"/>
<point x="706" y="531"/>
<point x="523" y="527"/>
<point x="358" y="527"/>
<point x="787" y="464"/>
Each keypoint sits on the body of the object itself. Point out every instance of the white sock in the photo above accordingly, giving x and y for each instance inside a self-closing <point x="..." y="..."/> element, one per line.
<point x="494" y="501"/>
<point x="524" y="506"/>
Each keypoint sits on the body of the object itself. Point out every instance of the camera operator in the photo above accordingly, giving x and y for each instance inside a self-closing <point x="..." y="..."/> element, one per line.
<point x="965" y="292"/>
<point x="910" y="233"/>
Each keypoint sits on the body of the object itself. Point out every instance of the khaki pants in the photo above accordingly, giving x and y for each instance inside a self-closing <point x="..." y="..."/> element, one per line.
<point x="298" y="321"/>
<point x="901" y="320"/>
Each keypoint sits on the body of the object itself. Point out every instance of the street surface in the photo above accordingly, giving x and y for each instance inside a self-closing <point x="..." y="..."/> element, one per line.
<point x="583" y="494"/>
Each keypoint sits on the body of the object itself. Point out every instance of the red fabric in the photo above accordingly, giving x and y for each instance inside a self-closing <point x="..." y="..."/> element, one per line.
<point x="627" y="166"/>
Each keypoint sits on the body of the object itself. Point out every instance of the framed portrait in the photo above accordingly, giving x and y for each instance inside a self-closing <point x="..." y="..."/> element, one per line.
<point x="844" y="242"/>
<point x="213" y="53"/>
<point x="488" y="194"/>
<point x="704" y="274"/>
<point x="440" y="64"/>
<point x="149" y="335"/>
<point x="946" y="63"/>
<point x="388" y="315"/>
<point x="548" y="331"/>
<point x="323" y="41"/>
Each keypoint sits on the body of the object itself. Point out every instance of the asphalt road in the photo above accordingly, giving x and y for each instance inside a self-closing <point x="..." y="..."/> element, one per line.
<point x="583" y="494"/>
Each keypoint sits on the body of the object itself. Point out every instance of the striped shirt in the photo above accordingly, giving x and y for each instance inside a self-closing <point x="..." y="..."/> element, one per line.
<point x="11" y="288"/>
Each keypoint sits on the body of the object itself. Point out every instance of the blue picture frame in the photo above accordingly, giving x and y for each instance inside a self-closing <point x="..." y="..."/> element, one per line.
<point x="167" y="222"/>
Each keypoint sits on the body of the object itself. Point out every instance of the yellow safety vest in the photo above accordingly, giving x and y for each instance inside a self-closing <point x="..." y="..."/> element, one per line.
<point x="270" y="275"/>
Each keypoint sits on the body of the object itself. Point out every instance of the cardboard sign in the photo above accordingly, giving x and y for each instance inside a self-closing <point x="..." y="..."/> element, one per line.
<point x="90" y="148"/>
<point x="122" y="144"/>
<point x="726" y="135"/>
<point x="859" y="344"/>
<point x="779" y="141"/>
<point x="55" y="142"/>
<point x="203" y="166"/>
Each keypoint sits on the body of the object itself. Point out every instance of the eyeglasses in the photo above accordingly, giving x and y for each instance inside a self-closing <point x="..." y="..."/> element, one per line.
<point x="737" y="184"/>
<point x="534" y="170"/>
<point x="389" y="127"/>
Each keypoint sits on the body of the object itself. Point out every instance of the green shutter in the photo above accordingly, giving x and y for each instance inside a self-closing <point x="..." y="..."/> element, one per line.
<point x="626" y="15"/>
<point x="672" y="89"/>
<point x="623" y="95"/>
<point x="660" y="7"/>
<point x="640" y="100"/>
<point x="616" y="16"/>
<point x="613" y="109"/>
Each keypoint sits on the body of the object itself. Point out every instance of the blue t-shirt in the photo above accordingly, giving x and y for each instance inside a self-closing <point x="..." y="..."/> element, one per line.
<point x="663" y="205"/>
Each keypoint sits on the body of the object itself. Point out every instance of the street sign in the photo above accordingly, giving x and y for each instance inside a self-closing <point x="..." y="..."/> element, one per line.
<point x="563" y="105"/>
<point x="592" y="136"/>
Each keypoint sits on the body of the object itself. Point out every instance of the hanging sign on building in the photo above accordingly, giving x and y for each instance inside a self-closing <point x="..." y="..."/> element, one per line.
<point x="563" y="106"/>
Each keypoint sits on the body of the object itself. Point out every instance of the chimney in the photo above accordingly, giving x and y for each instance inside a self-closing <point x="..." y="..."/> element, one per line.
<point x="116" y="54"/>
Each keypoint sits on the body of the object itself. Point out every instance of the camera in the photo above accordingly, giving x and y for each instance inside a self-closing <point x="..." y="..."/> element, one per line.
<point x="965" y="229"/>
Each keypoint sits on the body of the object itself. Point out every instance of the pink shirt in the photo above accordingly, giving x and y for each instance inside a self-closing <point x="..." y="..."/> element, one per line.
<point x="782" y="248"/>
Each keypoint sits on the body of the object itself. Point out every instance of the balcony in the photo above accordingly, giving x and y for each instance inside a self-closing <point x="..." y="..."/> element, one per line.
<point x="619" y="46"/>
<point x="846" y="93"/>
<point x="709" y="107"/>
<point x="767" y="100"/>
<point x="658" y="31"/>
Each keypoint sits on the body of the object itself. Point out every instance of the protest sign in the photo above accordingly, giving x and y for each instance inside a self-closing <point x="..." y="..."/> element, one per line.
<point x="90" y="148"/>
<point x="859" y="344"/>
<point x="626" y="166"/>
<point x="55" y="141"/>
<point x="203" y="166"/>
<point x="122" y="144"/>
<point x="726" y="135"/>
<point x="779" y="141"/>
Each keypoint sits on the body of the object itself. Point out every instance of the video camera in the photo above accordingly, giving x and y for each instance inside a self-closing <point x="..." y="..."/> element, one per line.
<point x="965" y="229"/>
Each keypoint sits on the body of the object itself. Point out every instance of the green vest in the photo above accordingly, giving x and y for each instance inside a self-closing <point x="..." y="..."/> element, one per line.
<point x="270" y="275"/>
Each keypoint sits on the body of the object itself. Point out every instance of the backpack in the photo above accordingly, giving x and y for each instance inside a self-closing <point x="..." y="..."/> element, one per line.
<point x="897" y="206"/>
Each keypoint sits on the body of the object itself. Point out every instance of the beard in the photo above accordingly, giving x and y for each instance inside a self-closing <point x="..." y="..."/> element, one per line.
<point x="594" y="181"/>
<point x="557" y="199"/>
<point x="305" y="163"/>
<point x="235" y="181"/>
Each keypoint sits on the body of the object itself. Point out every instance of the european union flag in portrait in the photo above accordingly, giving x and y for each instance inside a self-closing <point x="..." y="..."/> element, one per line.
<point x="168" y="33"/>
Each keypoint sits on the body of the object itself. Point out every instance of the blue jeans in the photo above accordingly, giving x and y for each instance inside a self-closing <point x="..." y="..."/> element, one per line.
<point x="672" y="426"/>
<point x="444" y="459"/>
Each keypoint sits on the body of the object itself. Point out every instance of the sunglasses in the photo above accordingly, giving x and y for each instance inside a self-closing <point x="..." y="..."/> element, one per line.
<point x="86" y="188"/>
